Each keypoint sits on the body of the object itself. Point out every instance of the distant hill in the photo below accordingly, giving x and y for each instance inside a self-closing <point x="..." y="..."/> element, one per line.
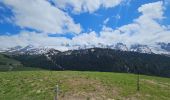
<point x="99" y="59"/>
<point x="10" y="64"/>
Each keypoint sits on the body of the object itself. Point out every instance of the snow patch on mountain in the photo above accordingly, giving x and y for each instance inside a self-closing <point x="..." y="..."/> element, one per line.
<point x="159" y="48"/>
<point x="141" y="48"/>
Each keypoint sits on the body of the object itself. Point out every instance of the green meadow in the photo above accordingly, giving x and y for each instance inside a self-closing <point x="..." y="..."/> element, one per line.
<point x="77" y="85"/>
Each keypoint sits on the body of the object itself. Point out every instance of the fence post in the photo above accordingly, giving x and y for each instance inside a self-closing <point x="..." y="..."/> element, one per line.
<point x="56" y="92"/>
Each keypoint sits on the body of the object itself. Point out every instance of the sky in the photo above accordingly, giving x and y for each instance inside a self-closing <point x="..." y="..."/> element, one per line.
<point x="58" y="23"/>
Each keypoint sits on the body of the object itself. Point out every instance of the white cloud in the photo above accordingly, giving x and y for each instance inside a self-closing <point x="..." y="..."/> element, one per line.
<point x="80" y="6"/>
<point x="42" y="16"/>
<point x="152" y="10"/>
<point x="90" y="38"/>
<point x="145" y="29"/>
<point x="25" y="38"/>
<point x="106" y="21"/>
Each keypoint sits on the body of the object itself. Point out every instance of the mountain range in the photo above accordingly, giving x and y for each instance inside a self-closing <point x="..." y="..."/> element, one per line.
<point x="159" y="48"/>
<point x="108" y="58"/>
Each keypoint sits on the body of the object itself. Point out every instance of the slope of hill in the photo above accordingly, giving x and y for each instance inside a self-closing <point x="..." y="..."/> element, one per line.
<point x="98" y="59"/>
<point x="9" y="64"/>
<point x="74" y="85"/>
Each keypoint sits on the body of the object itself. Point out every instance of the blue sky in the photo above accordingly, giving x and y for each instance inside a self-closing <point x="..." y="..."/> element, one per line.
<point x="76" y="20"/>
<point x="93" y="21"/>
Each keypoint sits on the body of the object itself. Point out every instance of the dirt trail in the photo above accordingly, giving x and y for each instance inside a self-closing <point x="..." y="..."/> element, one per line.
<point x="87" y="89"/>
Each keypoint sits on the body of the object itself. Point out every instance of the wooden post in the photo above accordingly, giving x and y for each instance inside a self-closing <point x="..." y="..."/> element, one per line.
<point x="138" y="87"/>
<point x="56" y="92"/>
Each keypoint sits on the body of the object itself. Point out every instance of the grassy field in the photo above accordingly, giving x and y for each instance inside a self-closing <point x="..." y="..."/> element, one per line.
<point x="75" y="85"/>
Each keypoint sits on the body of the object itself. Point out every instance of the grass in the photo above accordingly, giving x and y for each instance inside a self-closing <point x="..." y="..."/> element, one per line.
<point x="76" y="85"/>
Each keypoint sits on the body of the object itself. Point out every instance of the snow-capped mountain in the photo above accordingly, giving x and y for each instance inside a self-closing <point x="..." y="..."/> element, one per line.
<point x="159" y="48"/>
<point x="121" y="46"/>
<point x="141" y="48"/>
<point x="30" y="49"/>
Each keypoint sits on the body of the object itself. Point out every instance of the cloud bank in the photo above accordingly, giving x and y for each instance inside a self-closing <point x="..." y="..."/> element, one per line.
<point x="42" y="16"/>
<point x="80" y="6"/>
<point x="47" y="18"/>
<point x="146" y="29"/>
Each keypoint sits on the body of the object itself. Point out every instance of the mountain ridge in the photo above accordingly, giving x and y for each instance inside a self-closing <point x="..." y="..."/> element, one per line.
<point x="160" y="48"/>
<point x="99" y="59"/>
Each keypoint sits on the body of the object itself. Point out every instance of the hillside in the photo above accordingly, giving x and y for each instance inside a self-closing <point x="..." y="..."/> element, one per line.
<point x="9" y="64"/>
<point x="98" y="59"/>
<point x="74" y="85"/>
